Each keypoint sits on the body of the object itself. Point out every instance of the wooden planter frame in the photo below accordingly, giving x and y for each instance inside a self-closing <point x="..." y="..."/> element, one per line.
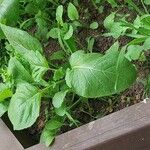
<point x="127" y="129"/>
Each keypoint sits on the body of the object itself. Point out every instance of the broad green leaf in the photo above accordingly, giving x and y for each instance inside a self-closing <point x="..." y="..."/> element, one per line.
<point x="18" y="72"/>
<point x="59" y="14"/>
<point x="93" y="75"/>
<point x="21" y="38"/>
<point x="72" y="12"/>
<point x="29" y="48"/>
<point x="5" y="92"/>
<point x="69" y="34"/>
<point x="24" y="106"/>
<point x="39" y="65"/>
<point x="3" y="107"/>
<point x="9" y="11"/>
<point x="114" y="47"/>
<point x="94" y="25"/>
<point x="59" y="98"/>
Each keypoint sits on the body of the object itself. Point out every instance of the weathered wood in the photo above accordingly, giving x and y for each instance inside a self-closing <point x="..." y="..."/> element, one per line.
<point x="7" y="140"/>
<point x="128" y="129"/>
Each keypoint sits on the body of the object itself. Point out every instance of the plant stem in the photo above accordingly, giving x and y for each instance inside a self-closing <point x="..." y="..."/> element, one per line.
<point x="45" y="89"/>
<point x="94" y="4"/>
<point x="71" y="119"/>
<point x="131" y="3"/>
<point x="75" y="103"/>
<point x="146" y="11"/>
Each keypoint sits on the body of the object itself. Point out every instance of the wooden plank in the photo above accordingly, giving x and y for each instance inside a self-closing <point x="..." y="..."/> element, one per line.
<point x="130" y="120"/>
<point x="7" y="140"/>
<point x="126" y="130"/>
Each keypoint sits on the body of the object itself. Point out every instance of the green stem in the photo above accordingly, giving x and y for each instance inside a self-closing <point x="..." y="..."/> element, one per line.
<point x="94" y="4"/>
<point x="52" y="69"/>
<point x="71" y="119"/>
<point x="75" y="103"/>
<point x="45" y="89"/>
<point x="146" y="11"/>
<point x="131" y="3"/>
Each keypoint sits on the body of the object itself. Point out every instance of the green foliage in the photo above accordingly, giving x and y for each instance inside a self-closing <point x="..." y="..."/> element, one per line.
<point x="6" y="9"/>
<point x="112" y="2"/>
<point x="3" y="107"/>
<point x="74" y="73"/>
<point x="6" y="15"/>
<point x="59" y="14"/>
<point x="5" y="92"/>
<point x="24" y="106"/>
<point x="49" y="131"/>
<point x="93" y="75"/>
<point x="72" y="12"/>
<point x="94" y="25"/>
<point x="59" y="98"/>
<point x="147" y="2"/>
<point x="115" y="28"/>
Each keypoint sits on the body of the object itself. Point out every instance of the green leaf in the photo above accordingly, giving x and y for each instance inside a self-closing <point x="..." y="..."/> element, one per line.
<point x="47" y="137"/>
<point x="6" y="9"/>
<point x="134" y="52"/>
<point x="94" y="25"/>
<point x="147" y="2"/>
<point x="61" y="111"/>
<point x="3" y="107"/>
<point x="53" y="124"/>
<point x="146" y="44"/>
<point x="24" y="106"/>
<point x="92" y="75"/>
<point x="114" y="47"/>
<point x="39" y="65"/>
<point x="53" y="33"/>
<point x="18" y="72"/>
<point x="17" y="37"/>
<point x="113" y="3"/>
<point x="5" y="92"/>
<point x="72" y="12"/>
<point x="29" y="48"/>
<point x="59" y="55"/>
<point x="49" y="132"/>
<point x="59" y="98"/>
<point x="59" y="14"/>
<point x="109" y="21"/>
<point x="90" y="45"/>
<point x="59" y="74"/>
<point x="69" y="34"/>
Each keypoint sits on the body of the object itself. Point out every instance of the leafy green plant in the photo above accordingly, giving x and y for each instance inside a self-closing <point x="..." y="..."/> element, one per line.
<point x="99" y="76"/>
<point x="30" y="78"/>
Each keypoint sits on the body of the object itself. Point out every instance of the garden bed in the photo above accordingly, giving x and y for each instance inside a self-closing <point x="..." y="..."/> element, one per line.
<point x="67" y="69"/>
<point x="128" y="129"/>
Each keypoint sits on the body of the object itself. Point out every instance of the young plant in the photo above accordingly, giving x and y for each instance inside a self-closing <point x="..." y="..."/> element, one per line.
<point x="31" y="78"/>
